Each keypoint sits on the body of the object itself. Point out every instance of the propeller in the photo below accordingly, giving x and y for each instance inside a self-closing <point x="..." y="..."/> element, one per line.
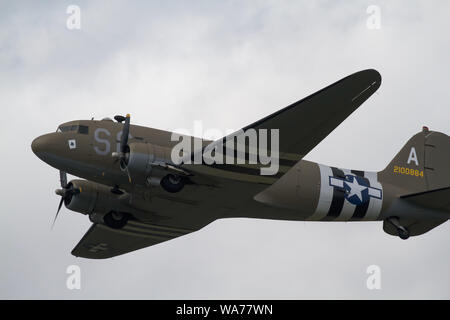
<point x="122" y="156"/>
<point x="66" y="192"/>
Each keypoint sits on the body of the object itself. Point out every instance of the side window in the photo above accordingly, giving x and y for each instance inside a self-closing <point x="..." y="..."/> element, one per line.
<point x="73" y="128"/>
<point x="63" y="129"/>
<point x="83" y="129"/>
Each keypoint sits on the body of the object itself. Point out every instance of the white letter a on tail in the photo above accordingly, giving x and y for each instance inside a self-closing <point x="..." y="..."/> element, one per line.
<point x="413" y="157"/>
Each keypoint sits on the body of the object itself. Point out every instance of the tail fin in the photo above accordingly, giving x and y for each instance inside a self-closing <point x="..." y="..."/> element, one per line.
<point x="421" y="174"/>
<point x="423" y="164"/>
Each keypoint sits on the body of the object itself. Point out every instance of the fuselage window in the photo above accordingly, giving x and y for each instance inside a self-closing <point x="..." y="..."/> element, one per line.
<point x="67" y="128"/>
<point x="64" y="129"/>
<point x="83" y="129"/>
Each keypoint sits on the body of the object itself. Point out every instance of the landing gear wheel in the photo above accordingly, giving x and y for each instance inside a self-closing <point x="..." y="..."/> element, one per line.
<point x="115" y="220"/>
<point x="116" y="190"/>
<point x="172" y="183"/>
<point x="403" y="233"/>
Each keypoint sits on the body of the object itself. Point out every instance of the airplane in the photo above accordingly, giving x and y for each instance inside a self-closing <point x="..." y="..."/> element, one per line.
<point x="136" y="196"/>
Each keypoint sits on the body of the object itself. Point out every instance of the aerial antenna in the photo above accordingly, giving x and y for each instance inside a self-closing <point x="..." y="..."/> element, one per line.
<point x="119" y="119"/>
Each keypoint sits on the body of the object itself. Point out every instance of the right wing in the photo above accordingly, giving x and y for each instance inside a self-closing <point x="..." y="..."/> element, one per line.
<point x="101" y="242"/>
<point x="302" y="125"/>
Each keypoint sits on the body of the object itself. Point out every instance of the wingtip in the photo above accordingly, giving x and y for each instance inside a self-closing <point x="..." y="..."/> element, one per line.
<point x="373" y="74"/>
<point x="370" y="76"/>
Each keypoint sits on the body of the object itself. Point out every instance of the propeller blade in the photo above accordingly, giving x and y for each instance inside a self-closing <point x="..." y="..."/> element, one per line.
<point x="122" y="156"/>
<point x="63" y="178"/>
<point x="128" y="173"/>
<point x="125" y="132"/>
<point x="57" y="212"/>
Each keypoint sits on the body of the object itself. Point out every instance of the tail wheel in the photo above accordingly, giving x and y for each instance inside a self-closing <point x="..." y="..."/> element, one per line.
<point x="403" y="233"/>
<point x="116" y="220"/>
<point x="172" y="183"/>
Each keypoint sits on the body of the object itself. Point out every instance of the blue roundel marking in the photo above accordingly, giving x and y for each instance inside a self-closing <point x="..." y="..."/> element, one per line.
<point x="356" y="189"/>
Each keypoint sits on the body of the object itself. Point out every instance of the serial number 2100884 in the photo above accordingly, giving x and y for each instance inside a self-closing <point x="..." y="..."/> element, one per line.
<point x="408" y="171"/>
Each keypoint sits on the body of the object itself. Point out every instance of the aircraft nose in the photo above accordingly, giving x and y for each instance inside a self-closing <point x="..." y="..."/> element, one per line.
<point x="42" y="146"/>
<point x="38" y="145"/>
<point x="51" y="148"/>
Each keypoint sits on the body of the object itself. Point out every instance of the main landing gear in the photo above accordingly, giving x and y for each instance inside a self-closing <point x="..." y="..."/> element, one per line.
<point x="172" y="183"/>
<point x="402" y="232"/>
<point x="113" y="219"/>
<point x="116" y="220"/>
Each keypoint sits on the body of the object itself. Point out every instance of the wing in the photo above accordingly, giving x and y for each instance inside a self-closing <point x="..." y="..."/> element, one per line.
<point x="303" y="124"/>
<point x="101" y="242"/>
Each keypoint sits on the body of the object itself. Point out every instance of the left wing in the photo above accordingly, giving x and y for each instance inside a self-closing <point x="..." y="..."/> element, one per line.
<point x="302" y="126"/>
<point x="307" y="122"/>
<point x="101" y="242"/>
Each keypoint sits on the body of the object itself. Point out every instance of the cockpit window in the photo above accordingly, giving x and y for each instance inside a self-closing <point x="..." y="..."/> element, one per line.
<point x="67" y="128"/>
<point x="83" y="129"/>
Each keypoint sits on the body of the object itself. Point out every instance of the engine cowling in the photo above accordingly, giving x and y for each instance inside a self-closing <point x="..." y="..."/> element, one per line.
<point x="147" y="165"/>
<point x="93" y="197"/>
<point x="99" y="203"/>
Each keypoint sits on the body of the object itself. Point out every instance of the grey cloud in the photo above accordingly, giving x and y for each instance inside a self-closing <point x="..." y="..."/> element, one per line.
<point x="170" y="63"/>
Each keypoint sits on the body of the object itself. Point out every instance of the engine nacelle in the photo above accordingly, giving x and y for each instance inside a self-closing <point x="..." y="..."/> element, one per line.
<point x="145" y="163"/>
<point x="113" y="219"/>
<point x="93" y="197"/>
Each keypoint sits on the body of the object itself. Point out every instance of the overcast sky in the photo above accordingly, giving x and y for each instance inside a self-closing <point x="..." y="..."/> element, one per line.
<point x="227" y="63"/>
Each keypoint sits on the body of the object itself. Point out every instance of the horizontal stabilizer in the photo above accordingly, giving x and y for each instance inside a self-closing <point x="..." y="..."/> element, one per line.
<point x="414" y="227"/>
<point x="435" y="199"/>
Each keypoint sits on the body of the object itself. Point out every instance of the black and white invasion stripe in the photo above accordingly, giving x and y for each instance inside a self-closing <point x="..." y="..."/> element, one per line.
<point x="332" y="204"/>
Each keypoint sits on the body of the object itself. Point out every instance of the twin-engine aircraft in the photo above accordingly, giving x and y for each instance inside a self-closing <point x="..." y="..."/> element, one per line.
<point x="137" y="196"/>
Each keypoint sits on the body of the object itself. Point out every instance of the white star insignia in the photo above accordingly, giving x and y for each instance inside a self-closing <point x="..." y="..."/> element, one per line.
<point x="355" y="189"/>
